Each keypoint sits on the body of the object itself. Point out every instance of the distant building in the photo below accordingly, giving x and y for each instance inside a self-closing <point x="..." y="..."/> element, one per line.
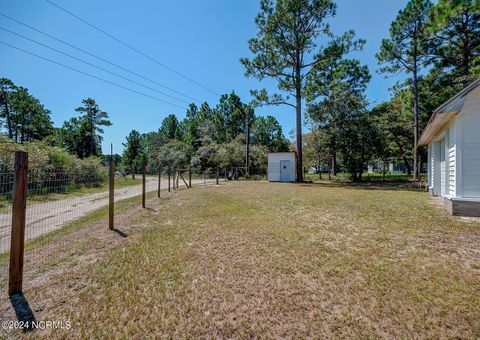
<point x="282" y="166"/>
<point x="453" y="139"/>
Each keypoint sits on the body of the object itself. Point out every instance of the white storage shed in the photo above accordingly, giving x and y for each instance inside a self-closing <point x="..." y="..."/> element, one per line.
<point x="282" y="166"/>
<point x="453" y="140"/>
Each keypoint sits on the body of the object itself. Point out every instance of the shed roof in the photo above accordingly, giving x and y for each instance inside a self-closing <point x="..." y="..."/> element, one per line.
<point x="442" y="114"/>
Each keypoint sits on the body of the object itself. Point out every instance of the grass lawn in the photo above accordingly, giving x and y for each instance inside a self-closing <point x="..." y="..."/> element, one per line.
<point x="258" y="259"/>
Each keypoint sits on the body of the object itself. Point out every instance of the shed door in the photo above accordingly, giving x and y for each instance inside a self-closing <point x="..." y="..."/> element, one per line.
<point x="443" y="169"/>
<point x="285" y="171"/>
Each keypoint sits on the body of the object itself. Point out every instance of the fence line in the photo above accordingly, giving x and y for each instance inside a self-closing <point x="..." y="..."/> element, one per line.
<point x="57" y="199"/>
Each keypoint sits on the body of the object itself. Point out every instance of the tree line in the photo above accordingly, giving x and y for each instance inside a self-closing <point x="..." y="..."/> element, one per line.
<point x="207" y="137"/>
<point x="436" y="46"/>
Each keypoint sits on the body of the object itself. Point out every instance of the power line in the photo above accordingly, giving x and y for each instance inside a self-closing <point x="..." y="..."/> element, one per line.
<point x="93" y="76"/>
<point x="93" y="65"/>
<point x="132" y="48"/>
<point x="99" y="58"/>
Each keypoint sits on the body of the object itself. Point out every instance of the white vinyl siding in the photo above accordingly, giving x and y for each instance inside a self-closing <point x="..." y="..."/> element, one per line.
<point x="430" y="166"/>
<point x="451" y="160"/>
<point x="443" y="168"/>
<point x="470" y="120"/>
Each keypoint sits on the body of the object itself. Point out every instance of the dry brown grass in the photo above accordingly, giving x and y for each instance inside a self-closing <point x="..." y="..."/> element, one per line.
<point x="271" y="260"/>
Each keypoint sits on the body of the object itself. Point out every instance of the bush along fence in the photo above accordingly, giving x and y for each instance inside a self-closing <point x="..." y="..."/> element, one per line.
<point x="37" y="209"/>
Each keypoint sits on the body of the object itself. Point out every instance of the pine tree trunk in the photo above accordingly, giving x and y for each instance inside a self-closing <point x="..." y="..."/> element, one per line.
<point x="298" y="109"/>
<point x="407" y="164"/>
<point x="333" y="170"/>
<point x="416" y="161"/>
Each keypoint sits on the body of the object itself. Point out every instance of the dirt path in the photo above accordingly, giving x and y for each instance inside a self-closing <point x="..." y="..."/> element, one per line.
<point x="45" y="217"/>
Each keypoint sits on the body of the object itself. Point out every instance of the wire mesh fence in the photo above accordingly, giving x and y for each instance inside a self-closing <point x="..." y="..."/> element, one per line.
<point x="57" y="201"/>
<point x="6" y="185"/>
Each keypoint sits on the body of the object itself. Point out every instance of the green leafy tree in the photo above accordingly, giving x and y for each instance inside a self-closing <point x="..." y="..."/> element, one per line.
<point x="134" y="156"/>
<point x="316" y="152"/>
<point x="170" y="128"/>
<point x="393" y="122"/>
<point x="74" y="136"/>
<point x="25" y="118"/>
<point x="230" y="117"/>
<point x="30" y="119"/>
<point x="332" y="90"/>
<point x="205" y="157"/>
<point x="286" y="49"/>
<point x="455" y="39"/>
<point x="94" y="118"/>
<point x="406" y="50"/>
<point x="175" y="153"/>
<point x="268" y="132"/>
<point x="7" y="87"/>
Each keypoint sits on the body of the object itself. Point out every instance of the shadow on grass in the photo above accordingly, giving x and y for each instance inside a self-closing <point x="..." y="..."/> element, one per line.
<point x="387" y="185"/>
<point x="23" y="311"/>
<point x="119" y="232"/>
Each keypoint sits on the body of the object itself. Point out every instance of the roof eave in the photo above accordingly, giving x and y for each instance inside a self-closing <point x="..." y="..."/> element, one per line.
<point x="435" y="126"/>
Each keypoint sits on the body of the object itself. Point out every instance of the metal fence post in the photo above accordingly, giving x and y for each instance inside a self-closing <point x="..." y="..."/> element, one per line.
<point x="217" y="175"/>
<point x="204" y="178"/>
<point x="174" y="178"/>
<point x="144" y="174"/>
<point x="111" y="193"/>
<point x="178" y="179"/>
<point x="17" y="242"/>
<point x="225" y="174"/>
<point x="159" y="180"/>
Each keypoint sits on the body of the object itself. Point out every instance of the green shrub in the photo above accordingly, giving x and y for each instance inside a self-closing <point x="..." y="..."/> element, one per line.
<point x="51" y="169"/>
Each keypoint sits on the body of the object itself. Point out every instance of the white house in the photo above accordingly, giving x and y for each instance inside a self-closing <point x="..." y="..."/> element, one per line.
<point x="453" y="139"/>
<point x="282" y="166"/>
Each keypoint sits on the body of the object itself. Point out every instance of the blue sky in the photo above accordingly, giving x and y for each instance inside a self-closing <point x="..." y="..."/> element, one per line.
<point x="201" y="39"/>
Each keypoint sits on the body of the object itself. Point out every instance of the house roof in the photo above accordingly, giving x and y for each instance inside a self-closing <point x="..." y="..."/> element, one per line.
<point x="445" y="112"/>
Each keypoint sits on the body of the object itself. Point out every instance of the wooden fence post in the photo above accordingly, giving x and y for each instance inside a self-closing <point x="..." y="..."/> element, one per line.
<point x="169" y="169"/>
<point x="144" y="175"/>
<point x="218" y="174"/>
<point x="174" y="179"/>
<point x="17" y="242"/>
<point x="190" y="177"/>
<point x="111" y="193"/>
<point x="159" y="180"/>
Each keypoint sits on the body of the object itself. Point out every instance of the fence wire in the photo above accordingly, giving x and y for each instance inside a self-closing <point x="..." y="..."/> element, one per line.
<point x="57" y="201"/>
<point x="6" y="186"/>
